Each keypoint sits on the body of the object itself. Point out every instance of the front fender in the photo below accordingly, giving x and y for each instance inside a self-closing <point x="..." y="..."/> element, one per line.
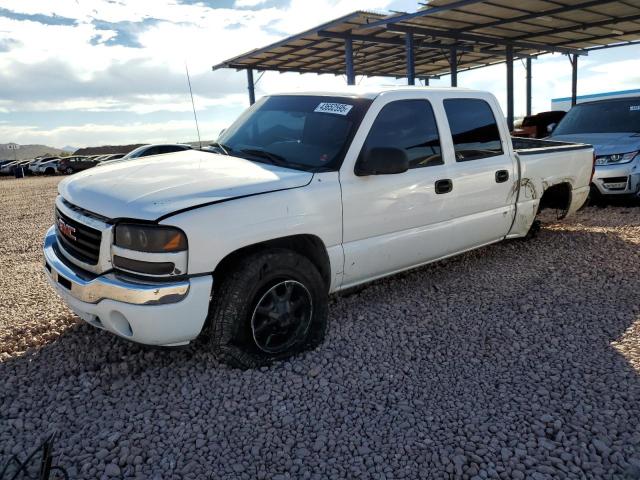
<point x="217" y="230"/>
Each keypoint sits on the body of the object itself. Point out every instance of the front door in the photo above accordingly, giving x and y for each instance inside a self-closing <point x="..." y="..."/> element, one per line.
<point x="392" y="222"/>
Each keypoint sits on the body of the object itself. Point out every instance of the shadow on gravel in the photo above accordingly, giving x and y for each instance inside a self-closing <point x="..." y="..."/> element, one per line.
<point x="498" y="363"/>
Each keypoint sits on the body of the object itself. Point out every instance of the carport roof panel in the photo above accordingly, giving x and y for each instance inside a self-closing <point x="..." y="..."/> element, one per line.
<point x="533" y="27"/>
<point x="580" y="24"/>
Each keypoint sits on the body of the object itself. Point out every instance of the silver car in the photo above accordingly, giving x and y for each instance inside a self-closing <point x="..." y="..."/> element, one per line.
<point x="613" y="128"/>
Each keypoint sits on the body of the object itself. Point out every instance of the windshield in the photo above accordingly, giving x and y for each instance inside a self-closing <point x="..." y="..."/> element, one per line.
<point x="305" y="132"/>
<point x="614" y="116"/>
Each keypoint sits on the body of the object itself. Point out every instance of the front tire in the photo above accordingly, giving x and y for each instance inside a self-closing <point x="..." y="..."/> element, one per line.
<point x="269" y="306"/>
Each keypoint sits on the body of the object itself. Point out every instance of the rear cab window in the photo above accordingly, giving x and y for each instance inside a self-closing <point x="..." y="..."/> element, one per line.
<point x="474" y="129"/>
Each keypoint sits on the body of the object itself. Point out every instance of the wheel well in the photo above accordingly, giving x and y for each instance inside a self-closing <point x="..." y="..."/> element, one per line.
<point x="557" y="197"/>
<point x="309" y="246"/>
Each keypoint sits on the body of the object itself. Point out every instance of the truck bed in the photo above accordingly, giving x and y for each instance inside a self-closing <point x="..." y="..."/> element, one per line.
<point x="548" y="164"/>
<point x="533" y="146"/>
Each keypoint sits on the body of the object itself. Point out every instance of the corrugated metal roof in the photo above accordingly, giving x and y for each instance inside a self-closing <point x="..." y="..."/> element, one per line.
<point x="480" y="30"/>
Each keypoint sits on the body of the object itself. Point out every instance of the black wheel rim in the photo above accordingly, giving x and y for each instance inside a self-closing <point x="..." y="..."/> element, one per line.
<point x="282" y="317"/>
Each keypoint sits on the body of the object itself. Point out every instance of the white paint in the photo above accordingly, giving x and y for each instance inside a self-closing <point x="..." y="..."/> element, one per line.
<point x="153" y="186"/>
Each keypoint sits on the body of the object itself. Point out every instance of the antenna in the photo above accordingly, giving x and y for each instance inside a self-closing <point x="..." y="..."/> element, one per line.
<point x="193" y="105"/>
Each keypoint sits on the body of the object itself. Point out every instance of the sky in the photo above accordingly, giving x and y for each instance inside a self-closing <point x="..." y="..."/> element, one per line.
<point x="96" y="72"/>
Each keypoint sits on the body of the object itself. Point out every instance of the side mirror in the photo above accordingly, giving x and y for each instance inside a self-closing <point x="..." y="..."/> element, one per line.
<point x="551" y="127"/>
<point x="382" y="161"/>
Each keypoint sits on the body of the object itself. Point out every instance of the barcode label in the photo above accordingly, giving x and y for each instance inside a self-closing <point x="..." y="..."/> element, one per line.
<point x="336" y="108"/>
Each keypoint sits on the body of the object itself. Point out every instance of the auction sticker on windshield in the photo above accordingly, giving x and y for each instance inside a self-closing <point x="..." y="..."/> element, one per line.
<point x="336" y="108"/>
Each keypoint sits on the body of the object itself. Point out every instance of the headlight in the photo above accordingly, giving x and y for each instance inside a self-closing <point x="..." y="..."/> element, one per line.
<point x="150" y="250"/>
<point x="150" y="238"/>
<point x="615" y="158"/>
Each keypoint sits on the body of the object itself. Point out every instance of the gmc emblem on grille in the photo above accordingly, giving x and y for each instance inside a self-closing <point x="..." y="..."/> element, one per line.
<point x="66" y="230"/>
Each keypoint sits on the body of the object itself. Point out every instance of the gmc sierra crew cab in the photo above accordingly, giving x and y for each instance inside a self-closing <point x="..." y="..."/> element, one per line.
<point x="306" y="194"/>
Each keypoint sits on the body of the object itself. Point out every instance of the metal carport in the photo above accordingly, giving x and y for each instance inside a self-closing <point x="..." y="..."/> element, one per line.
<point x="450" y="36"/>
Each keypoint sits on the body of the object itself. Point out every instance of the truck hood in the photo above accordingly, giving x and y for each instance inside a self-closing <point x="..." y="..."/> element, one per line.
<point x="604" y="143"/>
<point x="150" y="188"/>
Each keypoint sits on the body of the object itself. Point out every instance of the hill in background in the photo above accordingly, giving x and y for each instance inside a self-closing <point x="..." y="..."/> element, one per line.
<point x="26" y="151"/>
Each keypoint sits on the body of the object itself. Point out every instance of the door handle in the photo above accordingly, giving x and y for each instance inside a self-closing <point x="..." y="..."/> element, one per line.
<point x="502" y="176"/>
<point x="444" y="186"/>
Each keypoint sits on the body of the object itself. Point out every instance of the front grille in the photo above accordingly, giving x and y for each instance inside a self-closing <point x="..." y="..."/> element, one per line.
<point x="615" y="180"/>
<point x="86" y="245"/>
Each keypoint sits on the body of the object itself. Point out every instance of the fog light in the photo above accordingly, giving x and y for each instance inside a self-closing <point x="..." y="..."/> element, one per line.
<point x="138" y="266"/>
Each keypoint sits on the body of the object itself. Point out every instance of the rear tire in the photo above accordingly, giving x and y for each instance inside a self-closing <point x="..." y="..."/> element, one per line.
<point x="69" y="171"/>
<point x="269" y="306"/>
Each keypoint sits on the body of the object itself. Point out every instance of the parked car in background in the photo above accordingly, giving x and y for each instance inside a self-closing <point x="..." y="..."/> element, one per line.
<point x="27" y="166"/>
<point x="7" y="168"/>
<point x="158" y="149"/>
<point x="149" y="150"/>
<point x="613" y="128"/>
<point x="33" y="166"/>
<point x="309" y="194"/>
<point x="77" y="163"/>
<point x="50" y="167"/>
<point x="536" y="126"/>
<point x="110" y="156"/>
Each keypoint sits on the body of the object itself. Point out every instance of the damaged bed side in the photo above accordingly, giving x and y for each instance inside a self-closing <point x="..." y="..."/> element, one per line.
<point x="544" y="183"/>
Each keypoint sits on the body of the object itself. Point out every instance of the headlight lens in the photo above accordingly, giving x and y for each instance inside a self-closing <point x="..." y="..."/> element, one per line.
<point x="150" y="238"/>
<point x="616" y="158"/>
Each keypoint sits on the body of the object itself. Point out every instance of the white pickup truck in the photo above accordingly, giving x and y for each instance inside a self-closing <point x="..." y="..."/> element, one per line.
<point x="306" y="194"/>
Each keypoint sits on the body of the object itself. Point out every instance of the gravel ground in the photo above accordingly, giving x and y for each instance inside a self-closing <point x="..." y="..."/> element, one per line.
<point x="519" y="360"/>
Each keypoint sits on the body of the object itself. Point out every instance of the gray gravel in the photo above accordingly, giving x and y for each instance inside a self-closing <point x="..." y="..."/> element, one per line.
<point x="520" y="360"/>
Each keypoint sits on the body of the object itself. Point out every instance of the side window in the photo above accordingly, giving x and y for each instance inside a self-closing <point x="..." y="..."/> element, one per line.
<point x="474" y="129"/>
<point x="410" y="125"/>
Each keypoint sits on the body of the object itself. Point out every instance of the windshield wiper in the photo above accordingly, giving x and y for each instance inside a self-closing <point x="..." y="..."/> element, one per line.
<point x="273" y="158"/>
<point x="225" y="148"/>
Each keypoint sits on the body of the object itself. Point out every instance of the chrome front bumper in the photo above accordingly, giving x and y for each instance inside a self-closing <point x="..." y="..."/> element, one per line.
<point x="90" y="288"/>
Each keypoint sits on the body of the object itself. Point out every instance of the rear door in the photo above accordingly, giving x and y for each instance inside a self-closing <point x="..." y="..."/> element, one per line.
<point x="483" y="171"/>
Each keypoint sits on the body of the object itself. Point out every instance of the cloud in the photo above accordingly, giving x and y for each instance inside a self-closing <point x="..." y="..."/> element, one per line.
<point x="248" y="3"/>
<point x="38" y="17"/>
<point x="7" y="44"/>
<point x="114" y="63"/>
<point x="111" y="134"/>
<point x="138" y="77"/>
<point x="122" y="33"/>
